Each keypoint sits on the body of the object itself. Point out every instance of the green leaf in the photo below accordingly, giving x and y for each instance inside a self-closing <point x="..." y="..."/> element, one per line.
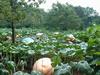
<point x="83" y="67"/>
<point x="98" y="73"/>
<point x="4" y="72"/>
<point x="95" y="61"/>
<point x="20" y="73"/>
<point x="56" y="60"/>
<point x="31" y="52"/>
<point x="1" y="66"/>
<point x="10" y="65"/>
<point x="97" y="53"/>
<point x="36" y="73"/>
<point x="63" y="69"/>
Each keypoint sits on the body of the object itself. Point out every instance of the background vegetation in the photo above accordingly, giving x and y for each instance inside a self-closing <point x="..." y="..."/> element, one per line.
<point x="60" y="17"/>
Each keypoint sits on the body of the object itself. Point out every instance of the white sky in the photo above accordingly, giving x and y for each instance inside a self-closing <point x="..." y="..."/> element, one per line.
<point x="95" y="4"/>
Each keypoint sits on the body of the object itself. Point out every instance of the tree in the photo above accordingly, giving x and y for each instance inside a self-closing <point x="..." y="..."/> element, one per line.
<point x="63" y="17"/>
<point x="86" y="14"/>
<point x="34" y="17"/>
<point x="12" y="11"/>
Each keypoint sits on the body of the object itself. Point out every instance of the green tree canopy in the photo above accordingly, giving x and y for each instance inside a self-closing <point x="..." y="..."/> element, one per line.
<point x="87" y="15"/>
<point x="63" y="17"/>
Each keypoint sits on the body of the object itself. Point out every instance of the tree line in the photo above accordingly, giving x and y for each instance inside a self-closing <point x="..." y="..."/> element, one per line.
<point x="60" y="17"/>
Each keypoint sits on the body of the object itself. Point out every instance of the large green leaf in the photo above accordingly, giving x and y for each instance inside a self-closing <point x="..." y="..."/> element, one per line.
<point x="36" y="73"/>
<point x="98" y="73"/>
<point x="83" y="67"/>
<point x="56" y="60"/>
<point x="95" y="61"/>
<point x="10" y="65"/>
<point x="63" y="69"/>
<point x="20" y="73"/>
<point x="1" y="65"/>
<point x="4" y="72"/>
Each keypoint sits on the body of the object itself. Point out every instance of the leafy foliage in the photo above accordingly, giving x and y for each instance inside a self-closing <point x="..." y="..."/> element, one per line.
<point x="21" y="56"/>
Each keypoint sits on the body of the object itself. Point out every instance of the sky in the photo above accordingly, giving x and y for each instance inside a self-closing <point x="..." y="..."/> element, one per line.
<point x="95" y="4"/>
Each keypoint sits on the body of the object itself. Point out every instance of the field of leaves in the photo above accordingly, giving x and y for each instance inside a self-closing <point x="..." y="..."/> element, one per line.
<point x="80" y="57"/>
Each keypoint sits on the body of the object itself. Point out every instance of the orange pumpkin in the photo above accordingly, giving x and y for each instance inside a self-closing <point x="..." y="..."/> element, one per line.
<point x="44" y="65"/>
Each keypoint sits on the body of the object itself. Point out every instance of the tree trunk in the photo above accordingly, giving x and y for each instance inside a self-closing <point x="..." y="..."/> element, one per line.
<point x="12" y="2"/>
<point x="13" y="32"/>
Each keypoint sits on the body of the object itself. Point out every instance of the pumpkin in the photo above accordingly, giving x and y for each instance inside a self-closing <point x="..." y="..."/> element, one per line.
<point x="44" y="65"/>
<point x="70" y="38"/>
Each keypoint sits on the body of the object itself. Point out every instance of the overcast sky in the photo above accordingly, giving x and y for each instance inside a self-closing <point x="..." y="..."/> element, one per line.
<point x="84" y="3"/>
